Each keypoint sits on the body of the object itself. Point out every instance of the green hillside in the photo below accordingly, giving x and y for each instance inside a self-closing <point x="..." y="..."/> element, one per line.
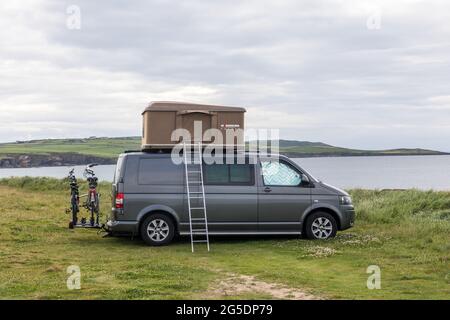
<point x="305" y="148"/>
<point x="319" y="149"/>
<point x="111" y="147"/>
<point x="101" y="147"/>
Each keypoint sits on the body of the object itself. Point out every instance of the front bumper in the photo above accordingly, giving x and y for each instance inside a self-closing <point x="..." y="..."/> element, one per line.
<point x="348" y="216"/>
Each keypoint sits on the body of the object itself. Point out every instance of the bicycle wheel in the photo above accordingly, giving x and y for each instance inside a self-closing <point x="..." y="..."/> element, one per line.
<point x="74" y="210"/>
<point x="97" y="209"/>
<point x="92" y="209"/>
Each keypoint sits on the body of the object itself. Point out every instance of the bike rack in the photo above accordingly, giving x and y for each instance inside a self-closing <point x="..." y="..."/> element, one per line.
<point x="93" y="223"/>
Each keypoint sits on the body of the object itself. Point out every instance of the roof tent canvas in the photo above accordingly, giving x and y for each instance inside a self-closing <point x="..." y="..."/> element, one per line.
<point x="161" y="118"/>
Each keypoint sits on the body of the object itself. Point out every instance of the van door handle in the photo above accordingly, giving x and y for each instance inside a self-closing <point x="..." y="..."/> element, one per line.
<point x="267" y="189"/>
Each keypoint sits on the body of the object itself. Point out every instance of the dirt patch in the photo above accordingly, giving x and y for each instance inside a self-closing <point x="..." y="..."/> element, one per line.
<point x="54" y="268"/>
<point x="234" y="284"/>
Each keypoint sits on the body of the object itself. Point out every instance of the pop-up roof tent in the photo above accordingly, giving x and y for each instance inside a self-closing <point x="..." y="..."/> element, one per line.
<point x="161" y="118"/>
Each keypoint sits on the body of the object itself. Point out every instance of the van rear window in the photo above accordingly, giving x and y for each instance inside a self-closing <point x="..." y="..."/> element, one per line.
<point x="118" y="172"/>
<point x="160" y="171"/>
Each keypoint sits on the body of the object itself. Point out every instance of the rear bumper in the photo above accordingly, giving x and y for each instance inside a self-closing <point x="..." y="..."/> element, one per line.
<point x="348" y="217"/>
<point x="122" y="226"/>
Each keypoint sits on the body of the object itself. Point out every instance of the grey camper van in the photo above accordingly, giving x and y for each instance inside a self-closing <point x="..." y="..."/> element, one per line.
<point x="149" y="199"/>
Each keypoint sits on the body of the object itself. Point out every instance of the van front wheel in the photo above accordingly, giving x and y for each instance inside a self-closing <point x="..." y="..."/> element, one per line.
<point x="157" y="230"/>
<point x="320" y="225"/>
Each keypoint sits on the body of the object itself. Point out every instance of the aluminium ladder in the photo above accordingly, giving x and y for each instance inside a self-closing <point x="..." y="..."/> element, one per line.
<point x="195" y="189"/>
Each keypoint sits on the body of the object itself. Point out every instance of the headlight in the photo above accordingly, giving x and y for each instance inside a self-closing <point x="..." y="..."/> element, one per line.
<point x="346" y="200"/>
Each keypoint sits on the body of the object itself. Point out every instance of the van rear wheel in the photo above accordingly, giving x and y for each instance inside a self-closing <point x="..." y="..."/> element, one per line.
<point x="157" y="230"/>
<point x="320" y="225"/>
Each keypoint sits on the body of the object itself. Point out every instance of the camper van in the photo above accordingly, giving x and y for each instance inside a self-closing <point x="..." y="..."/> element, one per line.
<point x="262" y="195"/>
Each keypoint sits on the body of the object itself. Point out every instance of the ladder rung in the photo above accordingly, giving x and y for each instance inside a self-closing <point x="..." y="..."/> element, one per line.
<point x="200" y="241"/>
<point x="196" y="192"/>
<point x="196" y="182"/>
<point x="197" y="208"/>
<point x="198" y="219"/>
<point x="198" y="230"/>
<point x="194" y="171"/>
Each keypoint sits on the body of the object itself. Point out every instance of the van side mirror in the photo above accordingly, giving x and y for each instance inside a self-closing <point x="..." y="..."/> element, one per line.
<point x="305" y="180"/>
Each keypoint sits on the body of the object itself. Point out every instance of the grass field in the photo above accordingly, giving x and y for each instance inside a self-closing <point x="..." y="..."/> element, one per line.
<point x="112" y="147"/>
<point x="405" y="233"/>
<point x="100" y="147"/>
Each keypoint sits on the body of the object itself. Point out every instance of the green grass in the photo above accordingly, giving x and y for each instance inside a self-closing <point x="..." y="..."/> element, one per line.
<point x="112" y="147"/>
<point x="405" y="233"/>
<point x="326" y="150"/>
<point x="101" y="147"/>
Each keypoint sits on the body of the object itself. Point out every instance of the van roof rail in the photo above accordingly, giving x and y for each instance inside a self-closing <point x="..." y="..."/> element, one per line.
<point x="131" y="151"/>
<point x="162" y="150"/>
<point x="169" y="150"/>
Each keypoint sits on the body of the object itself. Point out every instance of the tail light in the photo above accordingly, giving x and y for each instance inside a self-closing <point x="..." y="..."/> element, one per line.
<point x="119" y="201"/>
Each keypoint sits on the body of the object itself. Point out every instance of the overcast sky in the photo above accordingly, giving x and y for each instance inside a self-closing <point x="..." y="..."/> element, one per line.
<point x="362" y="74"/>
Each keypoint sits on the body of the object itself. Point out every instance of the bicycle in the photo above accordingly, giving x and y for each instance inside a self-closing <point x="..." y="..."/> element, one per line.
<point x="74" y="198"/>
<point x="92" y="203"/>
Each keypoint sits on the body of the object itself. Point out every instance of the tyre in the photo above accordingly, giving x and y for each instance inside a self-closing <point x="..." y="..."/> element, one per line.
<point x="320" y="225"/>
<point x="92" y="220"/>
<point x="74" y="213"/>
<point x="157" y="230"/>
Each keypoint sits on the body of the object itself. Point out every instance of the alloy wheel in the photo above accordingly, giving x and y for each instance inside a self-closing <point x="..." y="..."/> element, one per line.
<point x="322" y="228"/>
<point x="158" y="230"/>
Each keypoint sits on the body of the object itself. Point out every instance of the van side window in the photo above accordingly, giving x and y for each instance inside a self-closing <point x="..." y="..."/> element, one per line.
<point x="276" y="173"/>
<point x="241" y="173"/>
<point x="159" y="172"/>
<point x="228" y="174"/>
<point x="216" y="173"/>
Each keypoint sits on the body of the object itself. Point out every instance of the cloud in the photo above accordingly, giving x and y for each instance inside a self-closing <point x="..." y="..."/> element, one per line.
<point x="310" y="68"/>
